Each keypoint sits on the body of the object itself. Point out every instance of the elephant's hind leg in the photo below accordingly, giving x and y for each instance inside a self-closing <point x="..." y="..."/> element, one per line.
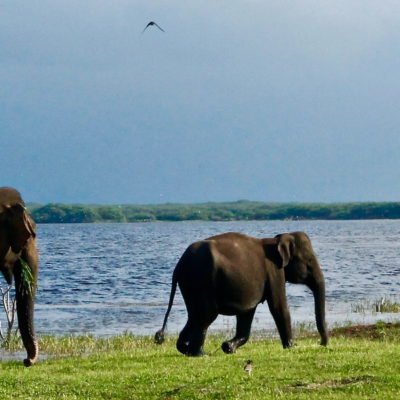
<point x="198" y="293"/>
<point x="243" y="328"/>
<point x="193" y="335"/>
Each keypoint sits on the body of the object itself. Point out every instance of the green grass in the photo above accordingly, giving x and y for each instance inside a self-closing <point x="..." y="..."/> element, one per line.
<point x="382" y="305"/>
<point x="386" y="305"/>
<point x="357" y="364"/>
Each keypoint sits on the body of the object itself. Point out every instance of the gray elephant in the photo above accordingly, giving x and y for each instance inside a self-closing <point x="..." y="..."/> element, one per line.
<point x="231" y="274"/>
<point x="19" y="259"/>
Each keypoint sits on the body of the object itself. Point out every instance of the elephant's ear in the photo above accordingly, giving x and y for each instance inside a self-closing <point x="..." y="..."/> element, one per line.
<point x="286" y="246"/>
<point x="20" y="226"/>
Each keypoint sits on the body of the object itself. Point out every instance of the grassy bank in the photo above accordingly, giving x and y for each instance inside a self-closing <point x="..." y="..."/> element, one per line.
<point x="359" y="363"/>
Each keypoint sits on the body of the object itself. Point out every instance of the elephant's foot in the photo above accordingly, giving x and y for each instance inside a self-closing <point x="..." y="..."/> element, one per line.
<point x="188" y="350"/>
<point x="28" y="362"/>
<point x="199" y="353"/>
<point x="32" y="355"/>
<point x="324" y="341"/>
<point x="159" y="337"/>
<point x="193" y="353"/>
<point x="288" y="344"/>
<point x="228" y="347"/>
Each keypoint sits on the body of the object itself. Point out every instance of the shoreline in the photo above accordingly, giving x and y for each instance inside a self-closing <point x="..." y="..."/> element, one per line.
<point x="71" y="345"/>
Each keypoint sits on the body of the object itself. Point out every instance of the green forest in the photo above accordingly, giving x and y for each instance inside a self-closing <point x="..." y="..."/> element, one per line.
<point x="228" y="211"/>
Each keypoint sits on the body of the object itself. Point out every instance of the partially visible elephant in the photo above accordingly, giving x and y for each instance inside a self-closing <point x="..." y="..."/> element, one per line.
<point x="231" y="274"/>
<point x="19" y="259"/>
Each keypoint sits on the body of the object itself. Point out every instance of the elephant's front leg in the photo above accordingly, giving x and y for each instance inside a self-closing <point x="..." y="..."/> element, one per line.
<point x="243" y="328"/>
<point x="278" y="306"/>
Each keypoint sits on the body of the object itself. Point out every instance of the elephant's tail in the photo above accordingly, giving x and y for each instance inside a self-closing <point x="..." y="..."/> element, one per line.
<point x="159" y="336"/>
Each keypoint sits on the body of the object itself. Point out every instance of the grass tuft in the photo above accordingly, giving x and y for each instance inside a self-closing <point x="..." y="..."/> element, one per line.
<point x="387" y="306"/>
<point x="382" y="305"/>
<point x="74" y="345"/>
<point x="27" y="280"/>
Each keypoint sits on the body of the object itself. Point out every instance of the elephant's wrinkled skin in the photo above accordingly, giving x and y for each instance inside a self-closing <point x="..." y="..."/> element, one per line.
<point x="231" y="274"/>
<point x="17" y="241"/>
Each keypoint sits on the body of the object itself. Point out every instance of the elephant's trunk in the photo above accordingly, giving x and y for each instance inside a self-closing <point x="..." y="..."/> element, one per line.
<point x="318" y="289"/>
<point x="25" y="288"/>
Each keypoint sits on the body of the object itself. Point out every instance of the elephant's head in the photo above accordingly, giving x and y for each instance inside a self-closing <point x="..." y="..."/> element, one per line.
<point x="18" y="251"/>
<point x="297" y="255"/>
<point x="16" y="228"/>
<point x="301" y="266"/>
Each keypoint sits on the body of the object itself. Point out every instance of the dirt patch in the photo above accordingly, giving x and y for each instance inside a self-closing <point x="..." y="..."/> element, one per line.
<point x="375" y="331"/>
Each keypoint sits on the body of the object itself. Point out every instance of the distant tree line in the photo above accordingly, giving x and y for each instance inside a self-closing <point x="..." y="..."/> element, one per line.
<point x="229" y="211"/>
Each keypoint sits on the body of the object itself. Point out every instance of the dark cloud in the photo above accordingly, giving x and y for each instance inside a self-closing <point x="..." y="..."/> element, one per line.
<point x="284" y="101"/>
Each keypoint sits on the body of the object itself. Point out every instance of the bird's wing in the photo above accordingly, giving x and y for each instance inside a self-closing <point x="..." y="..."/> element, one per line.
<point x="146" y="27"/>
<point x="159" y="27"/>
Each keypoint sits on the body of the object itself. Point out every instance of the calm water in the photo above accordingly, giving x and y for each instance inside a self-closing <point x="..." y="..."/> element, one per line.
<point x="109" y="278"/>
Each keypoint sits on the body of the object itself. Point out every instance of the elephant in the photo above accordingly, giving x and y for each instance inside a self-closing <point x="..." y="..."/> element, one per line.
<point x="19" y="259"/>
<point x="231" y="274"/>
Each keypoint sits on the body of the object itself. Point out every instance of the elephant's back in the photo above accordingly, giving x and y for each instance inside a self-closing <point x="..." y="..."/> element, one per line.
<point x="195" y="262"/>
<point x="195" y="274"/>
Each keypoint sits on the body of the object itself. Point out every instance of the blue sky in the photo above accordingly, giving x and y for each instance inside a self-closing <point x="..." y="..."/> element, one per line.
<point x="263" y="100"/>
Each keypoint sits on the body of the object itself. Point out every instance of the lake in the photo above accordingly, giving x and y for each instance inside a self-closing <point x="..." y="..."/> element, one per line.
<point x="106" y="279"/>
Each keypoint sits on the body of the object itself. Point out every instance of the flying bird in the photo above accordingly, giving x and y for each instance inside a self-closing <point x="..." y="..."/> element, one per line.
<point x="152" y="23"/>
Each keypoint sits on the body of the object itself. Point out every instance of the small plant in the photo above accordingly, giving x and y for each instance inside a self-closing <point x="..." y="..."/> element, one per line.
<point x="361" y="308"/>
<point x="386" y="306"/>
<point x="8" y="337"/>
<point x="382" y="305"/>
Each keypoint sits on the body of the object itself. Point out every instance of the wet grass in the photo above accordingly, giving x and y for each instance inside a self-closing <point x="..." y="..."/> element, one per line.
<point x="359" y="363"/>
